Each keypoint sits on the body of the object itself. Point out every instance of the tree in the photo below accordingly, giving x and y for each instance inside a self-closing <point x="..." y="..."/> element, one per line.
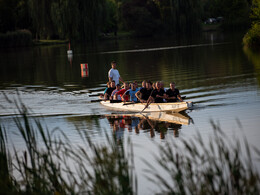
<point x="7" y="15"/>
<point x="180" y="16"/>
<point x="252" y="37"/>
<point x="141" y="16"/>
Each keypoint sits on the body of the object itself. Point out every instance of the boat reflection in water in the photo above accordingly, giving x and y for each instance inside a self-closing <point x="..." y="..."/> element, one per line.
<point x="152" y="122"/>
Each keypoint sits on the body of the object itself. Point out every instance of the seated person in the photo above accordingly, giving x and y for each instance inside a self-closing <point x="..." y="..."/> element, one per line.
<point x="162" y="85"/>
<point x="158" y="94"/>
<point x="108" y="85"/>
<point x="154" y="86"/>
<point x="144" y="93"/>
<point x="121" y="93"/>
<point x="144" y="84"/>
<point x="136" y="85"/>
<point x="173" y="94"/>
<point x="118" y="88"/>
<point x="110" y="90"/>
<point x="102" y="95"/>
<point x="131" y="92"/>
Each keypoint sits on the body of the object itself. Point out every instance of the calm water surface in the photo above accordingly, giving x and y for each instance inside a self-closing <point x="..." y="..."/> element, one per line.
<point x="212" y="70"/>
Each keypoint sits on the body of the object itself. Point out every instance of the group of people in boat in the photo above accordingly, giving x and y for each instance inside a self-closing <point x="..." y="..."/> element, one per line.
<point x="148" y="93"/>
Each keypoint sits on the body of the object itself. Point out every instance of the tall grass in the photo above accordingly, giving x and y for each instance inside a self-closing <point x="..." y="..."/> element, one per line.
<point x="52" y="164"/>
<point x="197" y="167"/>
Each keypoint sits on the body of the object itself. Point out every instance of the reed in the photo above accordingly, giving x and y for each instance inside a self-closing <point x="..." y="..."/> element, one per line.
<point x="52" y="164"/>
<point x="197" y="167"/>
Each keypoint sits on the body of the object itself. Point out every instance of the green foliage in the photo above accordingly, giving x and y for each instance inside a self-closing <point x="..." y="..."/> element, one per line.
<point x="89" y="19"/>
<point x="110" y="17"/>
<point x="252" y="37"/>
<point x="255" y="15"/>
<point x="16" y="39"/>
<point x="180" y="16"/>
<point x="7" y="16"/>
<point x="138" y="17"/>
<point x="149" y="17"/>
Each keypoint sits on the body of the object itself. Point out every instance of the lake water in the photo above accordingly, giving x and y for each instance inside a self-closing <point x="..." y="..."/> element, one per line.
<point x="212" y="70"/>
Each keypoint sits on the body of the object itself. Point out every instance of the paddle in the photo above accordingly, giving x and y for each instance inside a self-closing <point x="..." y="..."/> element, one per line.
<point x="97" y="100"/>
<point x="94" y="95"/>
<point x="130" y="103"/>
<point x="115" y="101"/>
<point x="111" y="101"/>
<point x="148" y="103"/>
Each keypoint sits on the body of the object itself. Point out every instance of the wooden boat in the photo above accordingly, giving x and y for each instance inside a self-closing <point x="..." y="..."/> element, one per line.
<point x="170" y="117"/>
<point x="153" y="107"/>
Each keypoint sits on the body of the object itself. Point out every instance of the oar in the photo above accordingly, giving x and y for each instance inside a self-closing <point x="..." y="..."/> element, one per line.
<point x="94" y="95"/>
<point x="148" y="103"/>
<point x="130" y="103"/>
<point x="96" y="100"/>
<point x="111" y="101"/>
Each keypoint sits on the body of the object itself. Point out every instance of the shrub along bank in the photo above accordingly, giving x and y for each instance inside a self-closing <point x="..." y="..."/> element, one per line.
<point x="19" y="38"/>
<point x="252" y="37"/>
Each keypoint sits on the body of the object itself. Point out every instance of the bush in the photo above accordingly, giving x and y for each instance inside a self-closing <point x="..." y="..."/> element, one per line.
<point x="19" y="38"/>
<point x="252" y="37"/>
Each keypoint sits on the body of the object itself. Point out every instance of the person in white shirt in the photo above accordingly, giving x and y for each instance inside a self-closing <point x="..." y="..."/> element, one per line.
<point x="113" y="74"/>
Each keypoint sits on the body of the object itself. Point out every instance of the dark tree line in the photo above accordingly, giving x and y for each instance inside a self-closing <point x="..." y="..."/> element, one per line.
<point x="88" y="19"/>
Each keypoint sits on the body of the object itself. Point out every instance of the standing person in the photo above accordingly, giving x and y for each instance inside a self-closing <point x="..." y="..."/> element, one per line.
<point x="113" y="74"/>
<point x="173" y="94"/>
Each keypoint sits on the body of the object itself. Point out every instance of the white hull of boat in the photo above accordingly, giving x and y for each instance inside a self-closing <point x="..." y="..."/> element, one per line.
<point x="154" y="107"/>
<point x="172" y="117"/>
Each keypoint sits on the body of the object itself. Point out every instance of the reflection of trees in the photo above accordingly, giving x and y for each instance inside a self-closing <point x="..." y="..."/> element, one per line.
<point x="186" y="64"/>
<point x="254" y="57"/>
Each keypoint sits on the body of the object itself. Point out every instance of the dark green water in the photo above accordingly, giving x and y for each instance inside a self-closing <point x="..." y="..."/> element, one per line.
<point x="212" y="70"/>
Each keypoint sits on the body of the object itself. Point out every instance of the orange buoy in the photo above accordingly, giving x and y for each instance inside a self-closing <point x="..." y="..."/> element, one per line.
<point x="84" y="70"/>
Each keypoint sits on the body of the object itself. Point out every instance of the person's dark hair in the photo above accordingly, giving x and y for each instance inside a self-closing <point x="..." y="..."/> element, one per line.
<point x="149" y="82"/>
<point x="113" y="62"/>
